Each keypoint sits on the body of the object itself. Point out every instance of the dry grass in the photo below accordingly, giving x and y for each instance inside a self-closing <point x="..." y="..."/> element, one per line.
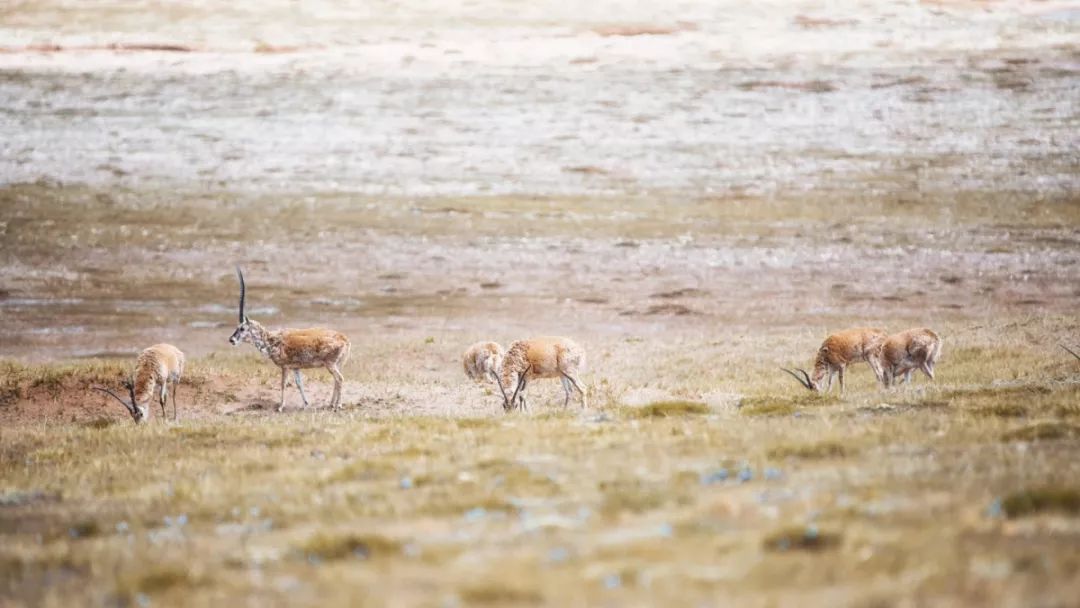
<point x="700" y="472"/>
<point x="554" y="508"/>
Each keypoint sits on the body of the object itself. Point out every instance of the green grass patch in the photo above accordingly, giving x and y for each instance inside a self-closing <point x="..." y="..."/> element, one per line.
<point x="1002" y="410"/>
<point x="500" y="594"/>
<point x="667" y="409"/>
<point x="327" y="546"/>
<point x="812" y="451"/>
<point x="768" y="408"/>
<point x="1043" y="499"/>
<point x="157" y="579"/>
<point x="363" y="470"/>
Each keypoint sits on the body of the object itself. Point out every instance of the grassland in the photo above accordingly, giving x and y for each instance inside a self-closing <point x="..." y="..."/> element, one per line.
<point x="738" y="487"/>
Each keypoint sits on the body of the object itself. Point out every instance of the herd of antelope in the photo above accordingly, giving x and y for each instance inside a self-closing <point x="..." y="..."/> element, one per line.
<point x="892" y="358"/>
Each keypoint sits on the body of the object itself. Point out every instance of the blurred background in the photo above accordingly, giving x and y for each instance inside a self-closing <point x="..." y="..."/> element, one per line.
<point x="406" y="165"/>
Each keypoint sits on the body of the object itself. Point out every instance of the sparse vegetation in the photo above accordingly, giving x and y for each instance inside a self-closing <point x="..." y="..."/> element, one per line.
<point x="1042" y="499"/>
<point x="801" y="538"/>
<point x="330" y="546"/>
<point x="767" y="408"/>
<point x="1043" y="431"/>
<point x="665" y="409"/>
<point x="812" y="451"/>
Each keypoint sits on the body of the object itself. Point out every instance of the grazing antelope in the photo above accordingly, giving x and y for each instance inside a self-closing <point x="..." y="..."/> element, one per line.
<point x="546" y="357"/>
<point x="482" y="361"/>
<point x="902" y="353"/>
<point x="840" y="350"/>
<point x="155" y="368"/>
<point x="295" y="349"/>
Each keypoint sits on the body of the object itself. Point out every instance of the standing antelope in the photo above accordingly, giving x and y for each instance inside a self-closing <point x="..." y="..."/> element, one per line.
<point x="295" y="349"/>
<point x="482" y="361"/>
<point x="902" y="353"/>
<point x="546" y="357"/>
<point x="840" y="350"/>
<point x="155" y="368"/>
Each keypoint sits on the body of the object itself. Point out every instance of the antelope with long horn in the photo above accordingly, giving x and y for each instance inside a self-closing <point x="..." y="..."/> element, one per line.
<point x="155" y="368"/>
<point x="903" y="353"/>
<point x="840" y="350"/>
<point x="295" y="349"/>
<point x="545" y="357"/>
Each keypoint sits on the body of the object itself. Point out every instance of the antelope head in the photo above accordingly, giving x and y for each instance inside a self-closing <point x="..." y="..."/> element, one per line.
<point x="137" y="413"/>
<point x="243" y="328"/>
<point x="805" y="380"/>
<point x="508" y="403"/>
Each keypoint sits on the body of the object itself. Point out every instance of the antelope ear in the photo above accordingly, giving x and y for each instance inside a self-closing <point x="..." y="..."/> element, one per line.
<point x="245" y="319"/>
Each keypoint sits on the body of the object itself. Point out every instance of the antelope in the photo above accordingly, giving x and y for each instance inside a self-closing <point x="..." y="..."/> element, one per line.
<point x="482" y="361"/>
<point x="545" y="357"/>
<point x="295" y="349"/>
<point x="155" y="368"/>
<point x="902" y="353"/>
<point x="840" y="350"/>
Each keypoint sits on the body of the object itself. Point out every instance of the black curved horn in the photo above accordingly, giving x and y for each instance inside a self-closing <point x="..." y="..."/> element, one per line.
<point x="498" y="380"/>
<point x="806" y="383"/>
<point x="240" y="274"/>
<point x="1070" y="351"/>
<point x="520" y="384"/>
<point x="127" y="406"/>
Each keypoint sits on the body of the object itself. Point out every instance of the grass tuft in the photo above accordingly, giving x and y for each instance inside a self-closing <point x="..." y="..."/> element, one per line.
<point x="1043" y="499"/>
<point x="801" y="538"/>
<point x="812" y="451"/>
<point x="501" y="594"/>
<point x="100" y="423"/>
<point x="328" y="547"/>
<point x="156" y="580"/>
<point x="768" y="408"/>
<point x="668" y="409"/>
<point x="1002" y="410"/>
<point x="1043" y="431"/>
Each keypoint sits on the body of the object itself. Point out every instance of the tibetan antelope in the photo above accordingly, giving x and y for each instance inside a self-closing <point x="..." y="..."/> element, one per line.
<point x="906" y="351"/>
<point x="295" y="349"/>
<point x="482" y="361"/>
<point x="840" y="350"/>
<point x="547" y="357"/>
<point x="155" y="368"/>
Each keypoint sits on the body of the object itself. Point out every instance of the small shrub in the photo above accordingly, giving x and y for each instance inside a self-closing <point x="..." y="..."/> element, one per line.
<point x="1038" y="500"/>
